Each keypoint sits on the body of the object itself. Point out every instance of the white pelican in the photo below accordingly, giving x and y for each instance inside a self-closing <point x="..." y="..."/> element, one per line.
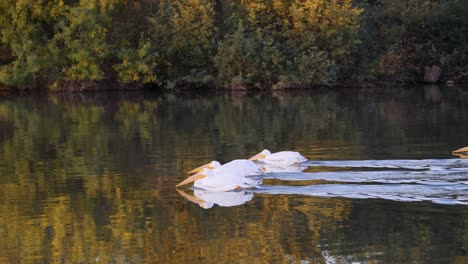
<point x="462" y="153"/>
<point x="207" y="199"/>
<point x="221" y="181"/>
<point x="282" y="158"/>
<point x="243" y="166"/>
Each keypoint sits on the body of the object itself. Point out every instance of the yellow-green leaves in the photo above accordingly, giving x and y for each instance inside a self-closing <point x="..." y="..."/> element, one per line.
<point x="182" y="32"/>
<point x="250" y="42"/>
<point x="137" y="65"/>
<point x="55" y="41"/>
<point x="288" y="42"/>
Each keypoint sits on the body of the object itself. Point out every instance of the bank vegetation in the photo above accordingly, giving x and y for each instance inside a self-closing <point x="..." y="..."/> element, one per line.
<point x="238" y="44"/>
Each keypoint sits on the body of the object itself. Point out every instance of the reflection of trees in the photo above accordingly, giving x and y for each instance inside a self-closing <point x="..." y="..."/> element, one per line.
<point x="402" y="233"/>
<point x="89" y="178"/>
<point x="121" y="224"/>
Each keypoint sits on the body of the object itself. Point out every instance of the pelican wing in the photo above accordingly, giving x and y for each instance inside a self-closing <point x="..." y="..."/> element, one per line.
<point x="226" y="179"/>
<point x="218" y="184"/>
<point x="284" y="158"/>
<point x="240" y="168"/>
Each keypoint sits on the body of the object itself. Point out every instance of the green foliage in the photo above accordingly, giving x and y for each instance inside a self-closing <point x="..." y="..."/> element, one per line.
<point x="55" y="41"/>
<point x="289" y="42"/>
<point x="182" y="32"/>
<point x="392" y="44"/>
<point x="17" y="32"/>
<point x="248" y="58"/>
<point x="275" y="43"/>
<point x="445" y="39"/>
<point x="137" y="65"/>
<point x="321" y="39"/>
<point x="402" y="37"/>
<point x="78" y="45"/>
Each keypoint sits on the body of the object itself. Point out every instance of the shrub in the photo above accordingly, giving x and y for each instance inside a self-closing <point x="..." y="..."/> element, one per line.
<point x="182" y="32"/>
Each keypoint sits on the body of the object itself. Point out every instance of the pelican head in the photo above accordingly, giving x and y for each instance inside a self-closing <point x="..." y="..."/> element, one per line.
<point x="212" y="165"/>
<point x="203" y="173"/>
<point x="261" y="155"/>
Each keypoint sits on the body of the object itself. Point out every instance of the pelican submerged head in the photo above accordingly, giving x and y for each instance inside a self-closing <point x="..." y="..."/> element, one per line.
<point x="222" y="180"/>
<point x="263" y="154"/>
<point x="212" y="165"/>
<point x="282" y="158"/>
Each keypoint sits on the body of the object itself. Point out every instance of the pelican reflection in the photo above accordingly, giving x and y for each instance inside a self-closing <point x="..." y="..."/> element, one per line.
<point x="207" y="199"/>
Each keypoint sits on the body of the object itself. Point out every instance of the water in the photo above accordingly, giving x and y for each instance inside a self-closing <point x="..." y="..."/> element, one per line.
<point x="89" y="178"/>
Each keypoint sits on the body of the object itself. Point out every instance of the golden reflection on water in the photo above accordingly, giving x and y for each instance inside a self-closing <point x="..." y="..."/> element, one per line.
<point x="120" y="225"/>
<point x="91" y="180"/>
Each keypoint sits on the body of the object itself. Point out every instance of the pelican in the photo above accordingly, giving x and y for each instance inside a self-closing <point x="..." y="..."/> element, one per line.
<point x="244" y="166"/>
<point x="221" y="181"/>
<point x="206" y="199"/>
<point x="462" y="153"/>
<point x="282" y="158"/>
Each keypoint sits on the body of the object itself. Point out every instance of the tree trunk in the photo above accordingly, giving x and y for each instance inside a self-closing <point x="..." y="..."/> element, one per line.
<point x="432" y="74"/>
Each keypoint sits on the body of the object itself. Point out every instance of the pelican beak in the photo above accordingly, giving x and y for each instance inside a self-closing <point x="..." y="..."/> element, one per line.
<point x="460" y="151"/>
<point x="258" y="156"/>
<point x="192" y="178"/>
<point x="209" y="166"/>
<point x="191" y="198"/>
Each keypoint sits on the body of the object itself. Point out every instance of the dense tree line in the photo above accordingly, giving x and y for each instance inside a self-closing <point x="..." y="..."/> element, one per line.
<point x="79" y="44"/>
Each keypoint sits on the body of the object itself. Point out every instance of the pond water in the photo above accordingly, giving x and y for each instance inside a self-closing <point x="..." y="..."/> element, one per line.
<point x="90" y="178"/>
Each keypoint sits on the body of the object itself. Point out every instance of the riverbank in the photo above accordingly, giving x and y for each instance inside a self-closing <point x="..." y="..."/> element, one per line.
<point x="103" y="87"/>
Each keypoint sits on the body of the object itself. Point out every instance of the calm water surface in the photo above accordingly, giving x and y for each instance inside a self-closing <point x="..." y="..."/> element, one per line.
<point x="90" y="178"/>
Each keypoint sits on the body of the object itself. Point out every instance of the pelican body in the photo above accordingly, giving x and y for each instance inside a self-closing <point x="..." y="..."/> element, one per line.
<point x="282" y="158"/>
<point x="221" y="181"/>
<point x="246" y="167"/>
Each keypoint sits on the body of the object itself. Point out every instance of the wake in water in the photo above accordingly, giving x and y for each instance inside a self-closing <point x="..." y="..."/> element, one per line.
<point x="442" y="181"/>
<point x="450" y="176"/>
<point x="435" y="180"/>
<point x="443" y="194"/>
<point x="392" y="164"/>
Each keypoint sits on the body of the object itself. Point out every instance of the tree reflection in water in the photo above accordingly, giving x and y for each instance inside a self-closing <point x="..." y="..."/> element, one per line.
<point x="90" y="178"/>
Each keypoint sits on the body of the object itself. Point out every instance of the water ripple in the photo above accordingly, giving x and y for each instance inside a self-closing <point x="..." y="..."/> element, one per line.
<point x="432" y="164"/>
<point x="443" y="181"/>
<point x="422" y="177"/>
<point x="442" y="194"/>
